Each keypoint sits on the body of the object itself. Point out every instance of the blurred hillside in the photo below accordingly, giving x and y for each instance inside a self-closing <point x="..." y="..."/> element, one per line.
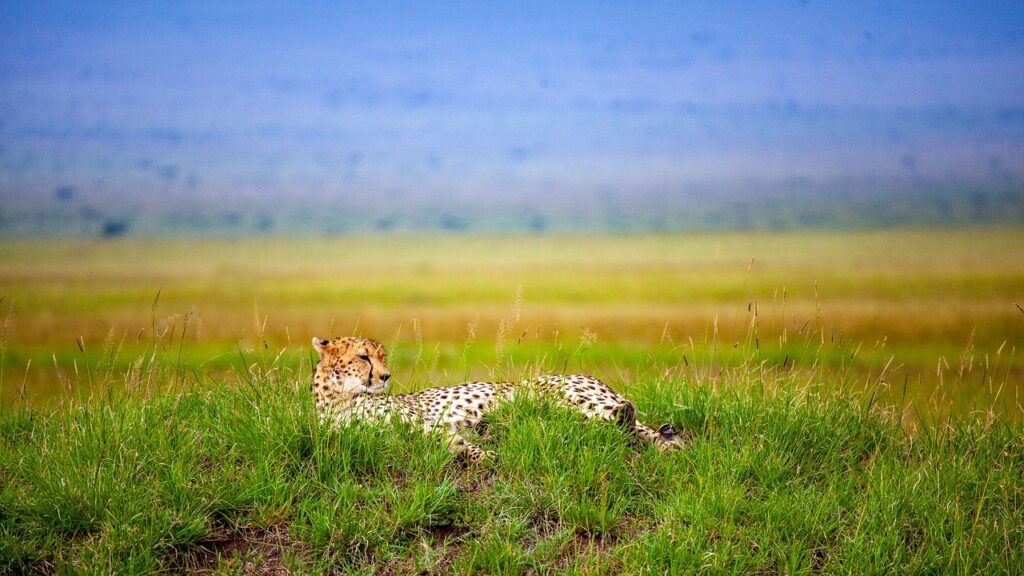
<point x="71" y="212"/>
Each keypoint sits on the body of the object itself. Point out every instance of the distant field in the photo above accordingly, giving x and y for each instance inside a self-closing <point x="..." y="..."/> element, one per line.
<point x="930" y="315"/>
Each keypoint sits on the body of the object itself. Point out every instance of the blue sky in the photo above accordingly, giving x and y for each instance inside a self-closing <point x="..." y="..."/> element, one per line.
<point x="503" y="99"/>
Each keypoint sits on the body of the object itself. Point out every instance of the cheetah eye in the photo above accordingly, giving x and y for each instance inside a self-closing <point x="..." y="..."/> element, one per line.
<point x="364" y="357"/>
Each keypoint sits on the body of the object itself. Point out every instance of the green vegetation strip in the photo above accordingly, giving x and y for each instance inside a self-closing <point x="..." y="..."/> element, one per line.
<point x="243" y="478"/>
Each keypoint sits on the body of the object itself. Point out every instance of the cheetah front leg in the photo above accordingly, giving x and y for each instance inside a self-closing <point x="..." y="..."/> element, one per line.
<point x="461" y="447"/>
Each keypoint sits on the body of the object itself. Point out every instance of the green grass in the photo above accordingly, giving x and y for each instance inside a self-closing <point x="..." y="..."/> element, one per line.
<point x="235" y="474"/>
<point x="854" y="400"/>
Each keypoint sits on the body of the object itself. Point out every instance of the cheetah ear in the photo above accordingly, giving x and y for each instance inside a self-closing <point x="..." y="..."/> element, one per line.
<point x="319" y="345"/>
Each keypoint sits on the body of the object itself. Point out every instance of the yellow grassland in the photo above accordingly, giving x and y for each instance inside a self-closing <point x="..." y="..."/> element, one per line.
<point x="915" y="297"/>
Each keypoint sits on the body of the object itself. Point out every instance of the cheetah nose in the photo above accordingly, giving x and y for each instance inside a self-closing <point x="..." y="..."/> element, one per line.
<point x="385" y="377"/>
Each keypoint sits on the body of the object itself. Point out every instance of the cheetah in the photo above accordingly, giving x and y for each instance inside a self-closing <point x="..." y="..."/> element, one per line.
<point x="351" y="376"/>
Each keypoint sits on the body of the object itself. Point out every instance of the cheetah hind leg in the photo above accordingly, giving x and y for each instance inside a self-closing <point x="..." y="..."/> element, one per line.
<point x="664" y="438"/>
<point x="625" y="414"/>
<point x="668" y="438"/>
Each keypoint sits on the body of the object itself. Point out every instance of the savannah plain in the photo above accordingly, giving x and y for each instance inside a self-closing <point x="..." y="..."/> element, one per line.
<point x="852" y="403"/>
<point x="926" y="318"/>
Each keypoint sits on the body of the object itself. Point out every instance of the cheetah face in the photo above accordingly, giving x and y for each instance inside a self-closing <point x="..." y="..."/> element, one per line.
<point x="349" y="367"/>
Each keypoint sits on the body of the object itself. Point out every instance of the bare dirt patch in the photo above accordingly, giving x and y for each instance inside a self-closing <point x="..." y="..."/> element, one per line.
<point x="259" y="552"/>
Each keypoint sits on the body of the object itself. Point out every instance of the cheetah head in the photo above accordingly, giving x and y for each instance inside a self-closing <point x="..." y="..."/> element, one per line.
<point x="348" y="367"/>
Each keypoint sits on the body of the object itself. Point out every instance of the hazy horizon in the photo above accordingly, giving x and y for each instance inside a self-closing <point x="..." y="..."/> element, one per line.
<point x="154" y="114"/>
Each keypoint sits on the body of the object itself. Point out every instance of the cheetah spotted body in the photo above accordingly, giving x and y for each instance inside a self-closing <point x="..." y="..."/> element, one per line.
<point x="351" y="376"/>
